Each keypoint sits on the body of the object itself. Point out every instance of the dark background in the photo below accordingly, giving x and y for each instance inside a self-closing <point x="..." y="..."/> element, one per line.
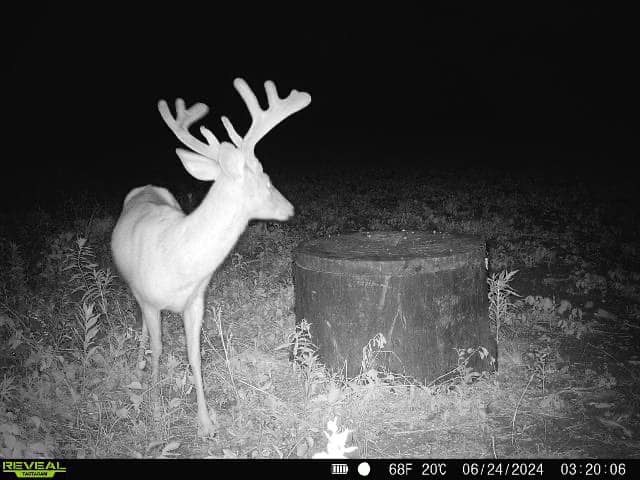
<point x="544" y="87"/>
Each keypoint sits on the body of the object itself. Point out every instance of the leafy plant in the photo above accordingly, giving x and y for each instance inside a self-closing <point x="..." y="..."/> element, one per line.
<point x="500" y="293"/>
<point x="8" y="388"/>
<point x="95" y="284"/>
<point x="370" y="352"/>
<point x="305" y="359"/>
<point x="466" y="372"/>
<point x="88" y="328"/>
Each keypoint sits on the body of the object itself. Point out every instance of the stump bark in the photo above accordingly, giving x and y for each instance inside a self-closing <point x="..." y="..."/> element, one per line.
<point x="426" y="293"/>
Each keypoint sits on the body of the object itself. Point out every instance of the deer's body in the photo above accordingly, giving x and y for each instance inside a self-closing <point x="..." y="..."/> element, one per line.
<point x="166" y="257"/>
<point x="166" y="275"/>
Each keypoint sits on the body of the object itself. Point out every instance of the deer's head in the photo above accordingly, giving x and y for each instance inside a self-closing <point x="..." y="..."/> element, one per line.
<point x="235" y="164"/>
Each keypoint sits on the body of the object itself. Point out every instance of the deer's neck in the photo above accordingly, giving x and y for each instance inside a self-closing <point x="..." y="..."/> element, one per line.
<point x="214" y="227"/>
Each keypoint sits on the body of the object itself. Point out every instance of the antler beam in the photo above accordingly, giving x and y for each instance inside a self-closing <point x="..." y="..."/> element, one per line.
<point x="180" y="127"/>
<point x="262" y="121"/>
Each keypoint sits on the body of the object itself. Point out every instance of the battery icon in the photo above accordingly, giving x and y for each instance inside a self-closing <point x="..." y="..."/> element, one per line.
<point x="339" y="469"/>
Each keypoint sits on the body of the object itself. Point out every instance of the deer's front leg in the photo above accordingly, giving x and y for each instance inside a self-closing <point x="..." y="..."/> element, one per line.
<point x="193" y="316"/>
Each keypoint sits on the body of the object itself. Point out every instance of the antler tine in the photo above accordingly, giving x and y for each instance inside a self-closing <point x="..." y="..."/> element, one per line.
<point x="180" y="127"/>
<point x="262" y="121"/>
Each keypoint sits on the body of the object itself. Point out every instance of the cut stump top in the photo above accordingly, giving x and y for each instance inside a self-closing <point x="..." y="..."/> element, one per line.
<point x="388" y="253"/>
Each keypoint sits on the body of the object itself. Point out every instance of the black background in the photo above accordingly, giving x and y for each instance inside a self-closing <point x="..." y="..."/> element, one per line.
<point x="543" y="86"/>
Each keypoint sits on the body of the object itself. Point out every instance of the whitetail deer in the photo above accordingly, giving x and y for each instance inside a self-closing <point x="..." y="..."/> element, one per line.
<point x="166" y="257"/>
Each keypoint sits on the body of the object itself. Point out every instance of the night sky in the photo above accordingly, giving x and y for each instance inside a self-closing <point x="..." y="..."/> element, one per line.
<point x="542" y="86"/>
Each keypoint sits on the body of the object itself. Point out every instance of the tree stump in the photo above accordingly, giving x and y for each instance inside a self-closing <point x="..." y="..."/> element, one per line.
<point x="426" y="293"/>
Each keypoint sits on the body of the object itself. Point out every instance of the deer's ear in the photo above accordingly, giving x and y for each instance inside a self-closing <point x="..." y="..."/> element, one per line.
<point x="199" y="166"/>
<point x="231" y="160"/>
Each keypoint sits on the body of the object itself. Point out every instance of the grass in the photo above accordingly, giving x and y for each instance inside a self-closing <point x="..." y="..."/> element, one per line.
<point x="564" y="294"/>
